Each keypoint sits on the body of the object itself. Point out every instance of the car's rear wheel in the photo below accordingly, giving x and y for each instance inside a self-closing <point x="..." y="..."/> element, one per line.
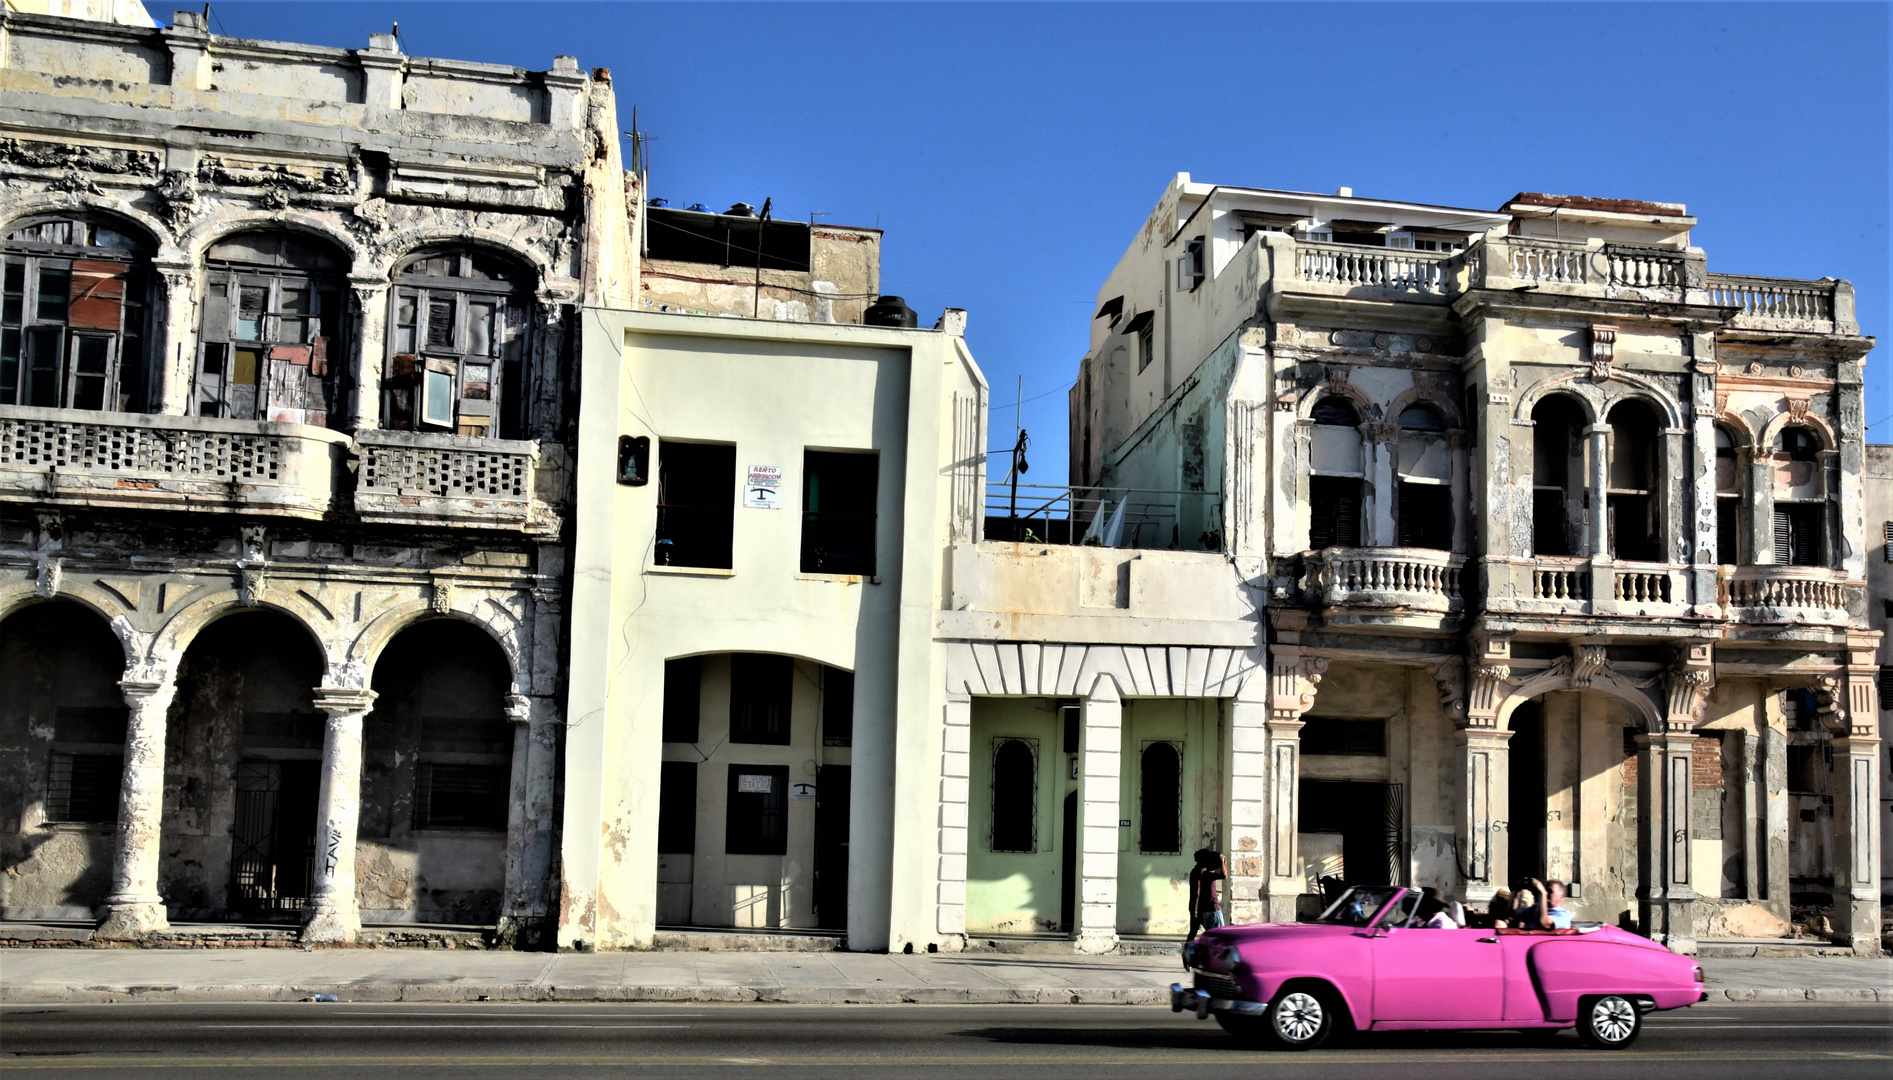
<point x="1300" y="1018"/>
<point x="1608" y="1021"/>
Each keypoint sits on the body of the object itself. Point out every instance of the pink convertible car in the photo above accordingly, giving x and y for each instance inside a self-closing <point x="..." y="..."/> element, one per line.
<point x="1361" y="964"/>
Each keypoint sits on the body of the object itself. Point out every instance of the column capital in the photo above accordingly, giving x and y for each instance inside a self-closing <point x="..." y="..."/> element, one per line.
<point x="518" y="708"/>
<point x="343" y="700"/>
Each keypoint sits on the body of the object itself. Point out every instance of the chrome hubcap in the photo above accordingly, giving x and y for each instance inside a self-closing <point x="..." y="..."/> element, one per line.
<point x="1298" y="1017"/>
<point x="1613" y="1019"/>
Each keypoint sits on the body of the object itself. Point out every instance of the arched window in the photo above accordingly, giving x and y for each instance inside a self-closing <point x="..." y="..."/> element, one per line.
<point x="1015" y="797"/>
<point x="274" y="333"/>
<point x="1424" y="501"/>
<point x="1160" y="800"/>
<point x="457" y="335"/>
<point x="1558" y="456"/>
<point x="1728" y="499"/>
<point x="1635" y="522"/>
<point x="1800" y="499"/>
<point x="73" y="323"/>
<point x="1334" y="481"/>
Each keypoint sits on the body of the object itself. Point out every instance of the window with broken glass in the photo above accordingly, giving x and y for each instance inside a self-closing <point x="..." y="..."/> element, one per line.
<point x="272" y="345"/>
<point x="74" y="311"/>
<point x="457" y="336"/>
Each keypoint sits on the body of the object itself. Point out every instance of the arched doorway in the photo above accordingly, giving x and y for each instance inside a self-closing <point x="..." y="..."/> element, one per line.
<point x="64" y="717"/>
<point x="243" y="760"/>
<point x="437" y="779"/>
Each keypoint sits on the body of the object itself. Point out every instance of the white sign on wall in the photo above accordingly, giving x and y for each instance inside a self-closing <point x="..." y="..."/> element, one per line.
<point x="755" y="784"/>
<point x="801" y="792"/>
<point x="764" y="489"/>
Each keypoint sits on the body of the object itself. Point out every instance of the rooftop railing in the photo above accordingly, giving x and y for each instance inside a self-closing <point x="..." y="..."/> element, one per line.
<point x="1104" y="516"/>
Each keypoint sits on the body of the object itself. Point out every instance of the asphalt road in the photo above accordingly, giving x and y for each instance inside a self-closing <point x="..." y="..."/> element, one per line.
<point x="342" y="1042"/>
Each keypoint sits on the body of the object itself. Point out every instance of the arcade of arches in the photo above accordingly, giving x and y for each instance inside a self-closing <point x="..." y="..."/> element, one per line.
<point x="249" y="764"/>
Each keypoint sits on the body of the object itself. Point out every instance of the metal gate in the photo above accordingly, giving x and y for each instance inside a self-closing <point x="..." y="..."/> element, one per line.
<point x="1394" y="819"/>
<point x="272" y="861"/>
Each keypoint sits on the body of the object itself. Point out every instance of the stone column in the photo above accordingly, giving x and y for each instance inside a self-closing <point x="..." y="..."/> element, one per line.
<point x="134" y="907"/>
<point x="956" y="761"/>
<point x="1856" y="787"/>
<point x="1247" y="888"/>
<point x="1699" y="480"/>
<point x="529" y="820"/>
<point x="371" y="321"/>
<point x="1755" y="462"/>
<point x="333" y="914"/>
<point x="1754" y="815"/>
<point x="1293" y="677"/>
<point x="1381" y="441"/>
<point x="1773" y="784"/>
<point x="1098" y="835"/>
<point x="1598" y="524"/>
<point x="1484" y="809"/>
<point x="173" y="345"/>
<point x="1481" y="817"/>
<point x="1097" y="858"/>
<point x="1665" y="891"/>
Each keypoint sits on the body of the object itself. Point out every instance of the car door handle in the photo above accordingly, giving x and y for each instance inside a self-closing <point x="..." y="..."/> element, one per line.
<point x="1488" y="941"/>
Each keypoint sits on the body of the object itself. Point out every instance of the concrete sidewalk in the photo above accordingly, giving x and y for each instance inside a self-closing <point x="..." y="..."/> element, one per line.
<point x="46" y="976"/>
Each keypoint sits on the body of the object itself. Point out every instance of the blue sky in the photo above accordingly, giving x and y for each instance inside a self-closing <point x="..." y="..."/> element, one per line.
<point x="1011" y="150"/>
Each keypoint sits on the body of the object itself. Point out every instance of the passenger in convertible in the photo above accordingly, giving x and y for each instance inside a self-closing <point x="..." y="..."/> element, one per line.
<point x="1436" y="912"/>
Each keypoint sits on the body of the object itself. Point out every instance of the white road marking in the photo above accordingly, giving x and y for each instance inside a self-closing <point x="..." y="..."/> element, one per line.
<point x="464" y="1026"/>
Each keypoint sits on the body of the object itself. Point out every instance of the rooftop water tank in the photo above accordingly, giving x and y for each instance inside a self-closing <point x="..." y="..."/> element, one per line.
<point x="890" y="311"/>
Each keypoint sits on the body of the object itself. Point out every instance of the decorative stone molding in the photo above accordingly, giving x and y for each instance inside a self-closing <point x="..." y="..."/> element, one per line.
<point x="1587" y="662"/>
<point x="71" y="158"/>
<point x="441" y="598"/>
<point x="1450" y="675"/>
<point x="1060" y="670"/>
<point x="1294" y="677"/>
<point x="1603" y="351"/>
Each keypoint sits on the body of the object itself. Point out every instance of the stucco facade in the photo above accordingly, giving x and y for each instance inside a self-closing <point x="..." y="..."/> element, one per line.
<point x="1556" y="540"/>
<point x="285" y="467"/>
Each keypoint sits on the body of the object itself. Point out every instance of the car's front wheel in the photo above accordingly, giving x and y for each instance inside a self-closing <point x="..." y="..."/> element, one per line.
<point x="1608" y="1022"/>
<point x="1300" y="1018"/>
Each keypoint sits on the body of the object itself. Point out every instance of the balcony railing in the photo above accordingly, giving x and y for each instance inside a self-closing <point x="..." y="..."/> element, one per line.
<point x="1786" y="594"/>
<point x="1563" y="580"/>
<point x="1646" y="268"/>
<point x="1108" y="517"/>
<point x="1554" y="263"/>
<point x="1416" y="578"/>
<point x="1380" y="268"/>
<point x="177" y="462"/>
<point x="1771" y="302"/>
<point x="423" y="479"/>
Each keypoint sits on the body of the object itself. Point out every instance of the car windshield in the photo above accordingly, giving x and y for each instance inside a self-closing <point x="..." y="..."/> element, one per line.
<point x="1358" y="906"/>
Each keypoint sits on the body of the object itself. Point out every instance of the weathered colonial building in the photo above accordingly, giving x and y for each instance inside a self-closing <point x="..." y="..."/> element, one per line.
<point x="396" y="528"/>
<point x="288" y="396"/>
<point x="1552" y="544"/>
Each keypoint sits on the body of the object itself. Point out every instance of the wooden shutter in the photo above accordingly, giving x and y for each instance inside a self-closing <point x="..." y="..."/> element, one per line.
<point x="1784" y="537"/>
<point x="1889" y="541"/>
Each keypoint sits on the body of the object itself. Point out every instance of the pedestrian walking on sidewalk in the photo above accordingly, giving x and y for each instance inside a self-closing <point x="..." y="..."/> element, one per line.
<point x="1206" y="910"/>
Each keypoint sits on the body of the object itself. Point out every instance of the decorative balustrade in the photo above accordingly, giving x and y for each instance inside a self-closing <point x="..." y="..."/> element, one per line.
<point x="448" y="480"/>
<point x="180" y="462"/>
<point x="1642" y="586"/>
<point x="1773" y="300"/>
<point x="1788" y="594"/>
<point x="1552" y="263"/>
<point x="1386" y="268"/>
<point x="1562" y="581"/>
<point x="1645" y="268"/>
<point x="1416" y="578"/>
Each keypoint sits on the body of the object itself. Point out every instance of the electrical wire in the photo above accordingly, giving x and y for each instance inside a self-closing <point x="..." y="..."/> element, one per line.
<point x="1034" y="397"/>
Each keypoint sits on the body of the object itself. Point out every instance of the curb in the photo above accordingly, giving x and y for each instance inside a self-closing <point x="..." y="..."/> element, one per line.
<point x="788" y="995"/>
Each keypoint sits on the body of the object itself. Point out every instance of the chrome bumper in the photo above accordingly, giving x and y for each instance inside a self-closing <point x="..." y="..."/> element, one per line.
<point x="1183" y="998"/>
